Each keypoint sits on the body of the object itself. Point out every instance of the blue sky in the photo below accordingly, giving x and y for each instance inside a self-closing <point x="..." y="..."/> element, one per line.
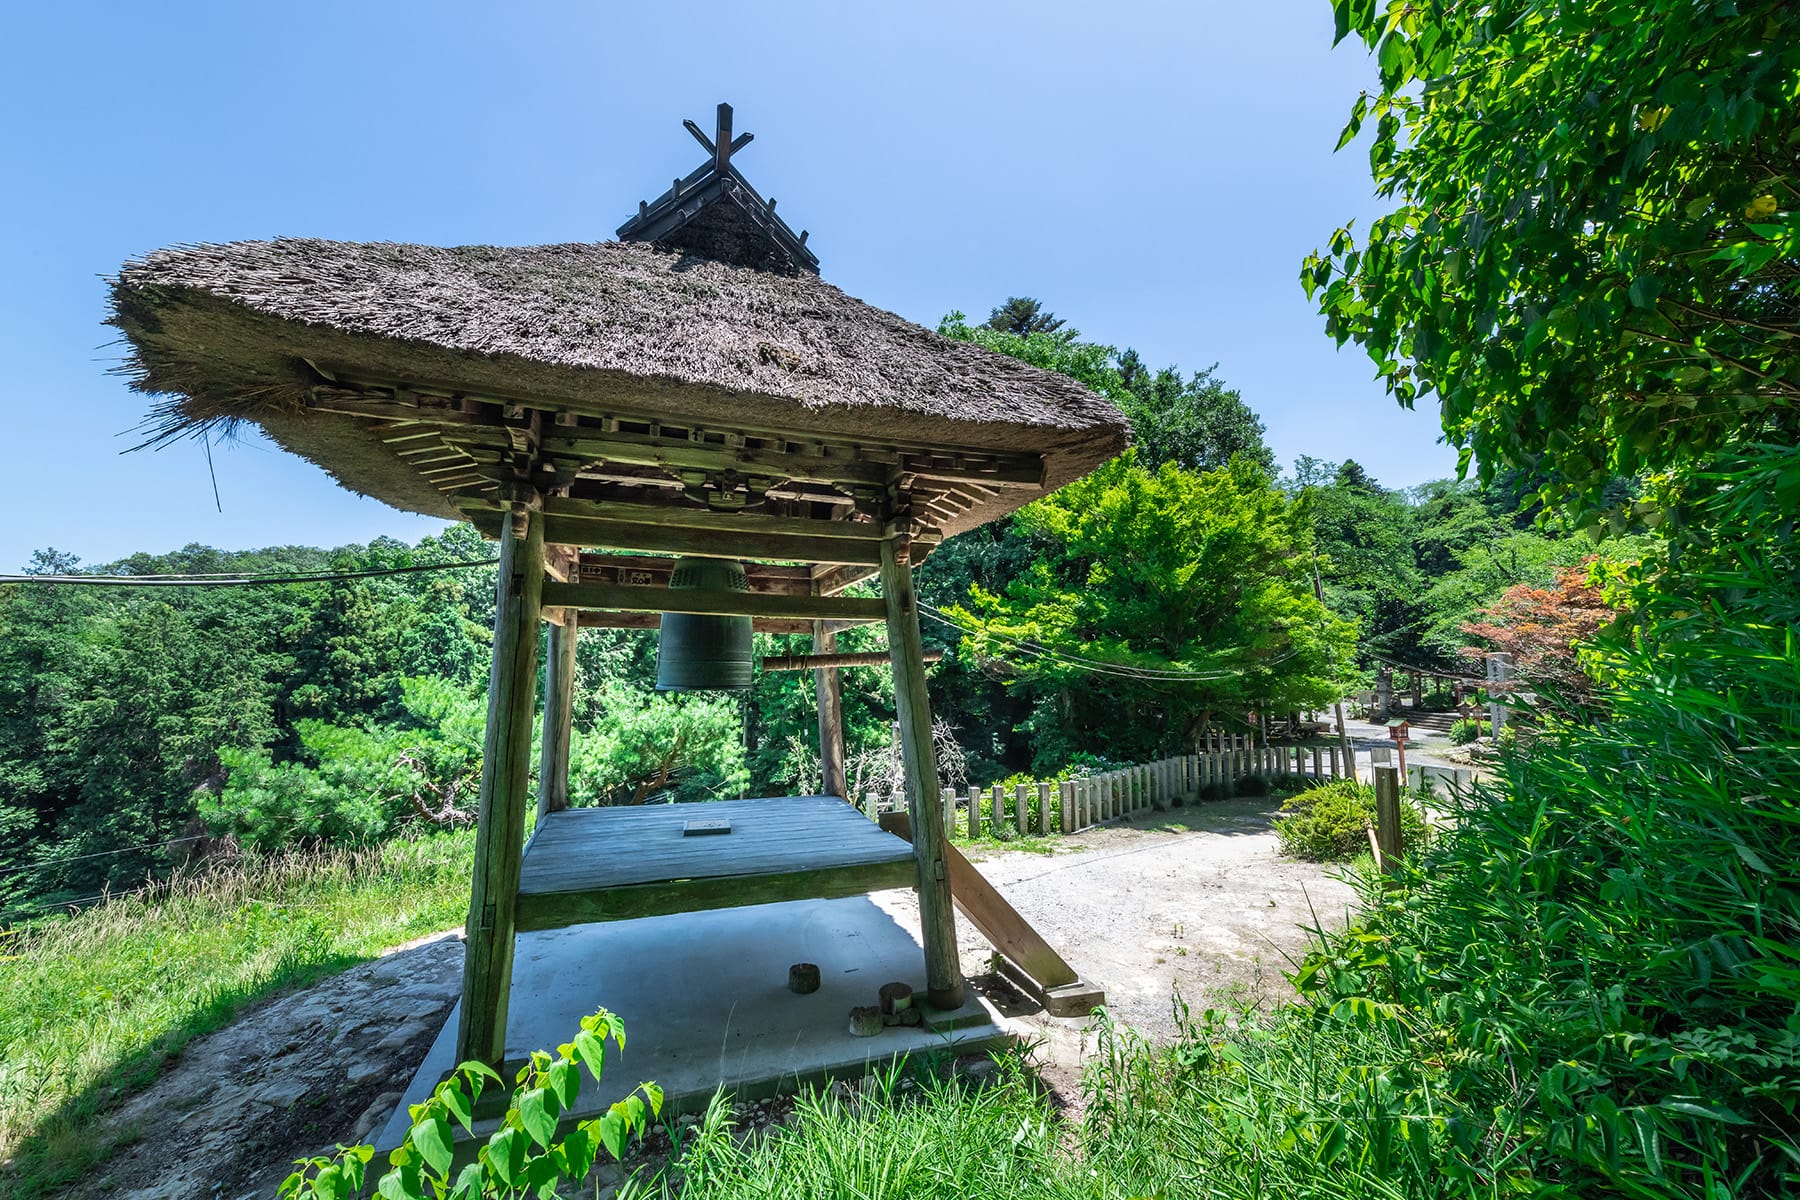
<point x="1152" y="172"/>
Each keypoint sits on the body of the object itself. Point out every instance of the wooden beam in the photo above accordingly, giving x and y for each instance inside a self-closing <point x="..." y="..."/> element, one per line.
<point x="505" y="777"/>
<point x="943" y="972"/>
<point x="559" y="716"/>
<point x="559" y="563"/>
<point x="681" y="514"/>
<point x="671" y="453"/>
<point x="829" y="689"/>
<point x="654" y="570"/>
<point x="711" y="543"/>
<point x="813" y="662"/>
<point x="1387" y="820"/>
<point x="644" y="620"/>
<point x="554" y="910"/>
<point x="614" y="596"/>
<point x="834" y="579"/>
<point x="622" y="434"/>
<point x="1052" y="980"/>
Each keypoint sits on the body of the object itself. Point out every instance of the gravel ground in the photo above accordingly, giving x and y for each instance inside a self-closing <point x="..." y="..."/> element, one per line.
<point x="1195" y="903"/>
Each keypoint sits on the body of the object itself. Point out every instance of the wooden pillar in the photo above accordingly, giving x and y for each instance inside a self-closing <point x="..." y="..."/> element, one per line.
<point x="1043" y="812"/>
<point x="943" y="973"/>
<point x="831" y="716"/>
<point x="1022" y="808"/>
<point x="1387" y="819"/>
<point x="505" y="780"/>
<point x="559" y="716"/>
<point x="974" y="813"/>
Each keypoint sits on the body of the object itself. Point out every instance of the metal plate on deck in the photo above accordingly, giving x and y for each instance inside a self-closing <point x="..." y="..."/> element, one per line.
<point x="701" y="826"/>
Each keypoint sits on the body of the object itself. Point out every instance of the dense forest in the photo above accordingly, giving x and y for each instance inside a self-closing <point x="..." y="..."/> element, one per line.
<point x="137" y="722"/>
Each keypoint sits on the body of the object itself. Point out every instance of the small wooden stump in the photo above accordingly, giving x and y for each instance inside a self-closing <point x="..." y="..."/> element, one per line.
<point x="803" y="978"/>
<point x="906" y="1016"/>
<point x="895" y="997"/>
<point x="865" y="1021"/>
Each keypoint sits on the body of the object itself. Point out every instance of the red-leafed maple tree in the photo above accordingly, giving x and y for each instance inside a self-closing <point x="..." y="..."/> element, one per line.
<point x="1541" y="627"/>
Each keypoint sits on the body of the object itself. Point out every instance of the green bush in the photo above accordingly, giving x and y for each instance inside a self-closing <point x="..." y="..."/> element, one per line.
<point x="1604" y="945"/>
<point x="1289" y="784"/>
<point x="1464" y="731"/>
<point x="1213" y="792"/>
<point x="358" y="783"/>
<point x="1330" y="823"/>
<point x="1250" y="785"/>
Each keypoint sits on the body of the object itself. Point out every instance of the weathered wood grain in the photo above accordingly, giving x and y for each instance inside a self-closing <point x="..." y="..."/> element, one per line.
<point x="943" y="973"/>
<point x="559" y="714"/>
<point x="505" y="779"/>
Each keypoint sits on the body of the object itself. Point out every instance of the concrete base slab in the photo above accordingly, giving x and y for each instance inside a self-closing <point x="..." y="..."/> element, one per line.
<point x="704" y="1000"/>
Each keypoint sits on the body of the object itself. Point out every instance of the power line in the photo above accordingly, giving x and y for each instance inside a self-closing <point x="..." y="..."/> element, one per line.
<point x="242" y="579"/>
<point x="57" y="862"/>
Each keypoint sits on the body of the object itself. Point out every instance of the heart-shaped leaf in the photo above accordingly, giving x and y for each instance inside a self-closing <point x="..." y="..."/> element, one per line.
<point x="538" y="1116"/>
<point x="564" y="1081"/>
<point x="612" y="1133"/>
<point x="432" y="1137"/>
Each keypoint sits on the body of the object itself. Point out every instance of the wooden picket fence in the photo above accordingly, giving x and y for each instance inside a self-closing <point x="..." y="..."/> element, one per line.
<point x="1072" y="805"/>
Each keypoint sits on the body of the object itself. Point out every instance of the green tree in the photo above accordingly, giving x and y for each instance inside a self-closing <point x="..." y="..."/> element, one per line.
<point x="1363" y="534"/>
<point x="1163" y="599"/>
<point x="645" y="743"/>
<point x="1024" y="316"/>
<point x="1593" y="254"/>
<point x="1194" y="421"/>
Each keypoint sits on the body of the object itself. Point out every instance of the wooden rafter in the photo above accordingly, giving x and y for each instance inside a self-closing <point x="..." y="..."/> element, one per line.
<point x="581" y="430"/>
<point x="625" y="598"/>
<point x="634" y="620"/>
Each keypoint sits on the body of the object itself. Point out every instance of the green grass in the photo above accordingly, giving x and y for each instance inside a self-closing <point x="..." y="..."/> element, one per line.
<point x="92" y="1004"/>
<point x="915" y="1135"/>
<point x="1297" y="1105"/>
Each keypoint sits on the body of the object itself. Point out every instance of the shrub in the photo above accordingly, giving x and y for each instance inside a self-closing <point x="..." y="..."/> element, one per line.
<point x="1288" y="784"/>
<point x="1213" y="792"/>
<point x="1251" y="785"/>
<point x="1464" y="731"/>
<point x="1329" y="823"/>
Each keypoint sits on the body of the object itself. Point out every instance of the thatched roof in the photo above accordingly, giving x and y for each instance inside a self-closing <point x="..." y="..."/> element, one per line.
<point x="248" y="331"/>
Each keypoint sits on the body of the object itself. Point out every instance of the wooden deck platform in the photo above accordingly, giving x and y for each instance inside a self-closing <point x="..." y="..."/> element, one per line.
<point x="609" y="864"/>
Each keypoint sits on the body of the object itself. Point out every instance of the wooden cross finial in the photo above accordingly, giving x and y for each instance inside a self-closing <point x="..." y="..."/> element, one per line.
<point x="721" y="145"/>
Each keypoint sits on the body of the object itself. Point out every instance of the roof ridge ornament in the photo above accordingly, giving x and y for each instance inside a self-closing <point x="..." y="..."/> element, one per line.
<point x="715" y="213"/>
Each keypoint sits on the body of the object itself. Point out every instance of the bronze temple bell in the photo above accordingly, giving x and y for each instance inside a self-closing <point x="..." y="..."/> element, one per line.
<point x="702" y="652"/>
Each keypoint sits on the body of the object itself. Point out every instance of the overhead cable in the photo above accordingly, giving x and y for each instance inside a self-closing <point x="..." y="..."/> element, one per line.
<point x="243" y="579"/>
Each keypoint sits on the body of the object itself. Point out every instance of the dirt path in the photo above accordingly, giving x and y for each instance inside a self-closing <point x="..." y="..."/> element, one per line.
<point x="1196" y="902"/>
